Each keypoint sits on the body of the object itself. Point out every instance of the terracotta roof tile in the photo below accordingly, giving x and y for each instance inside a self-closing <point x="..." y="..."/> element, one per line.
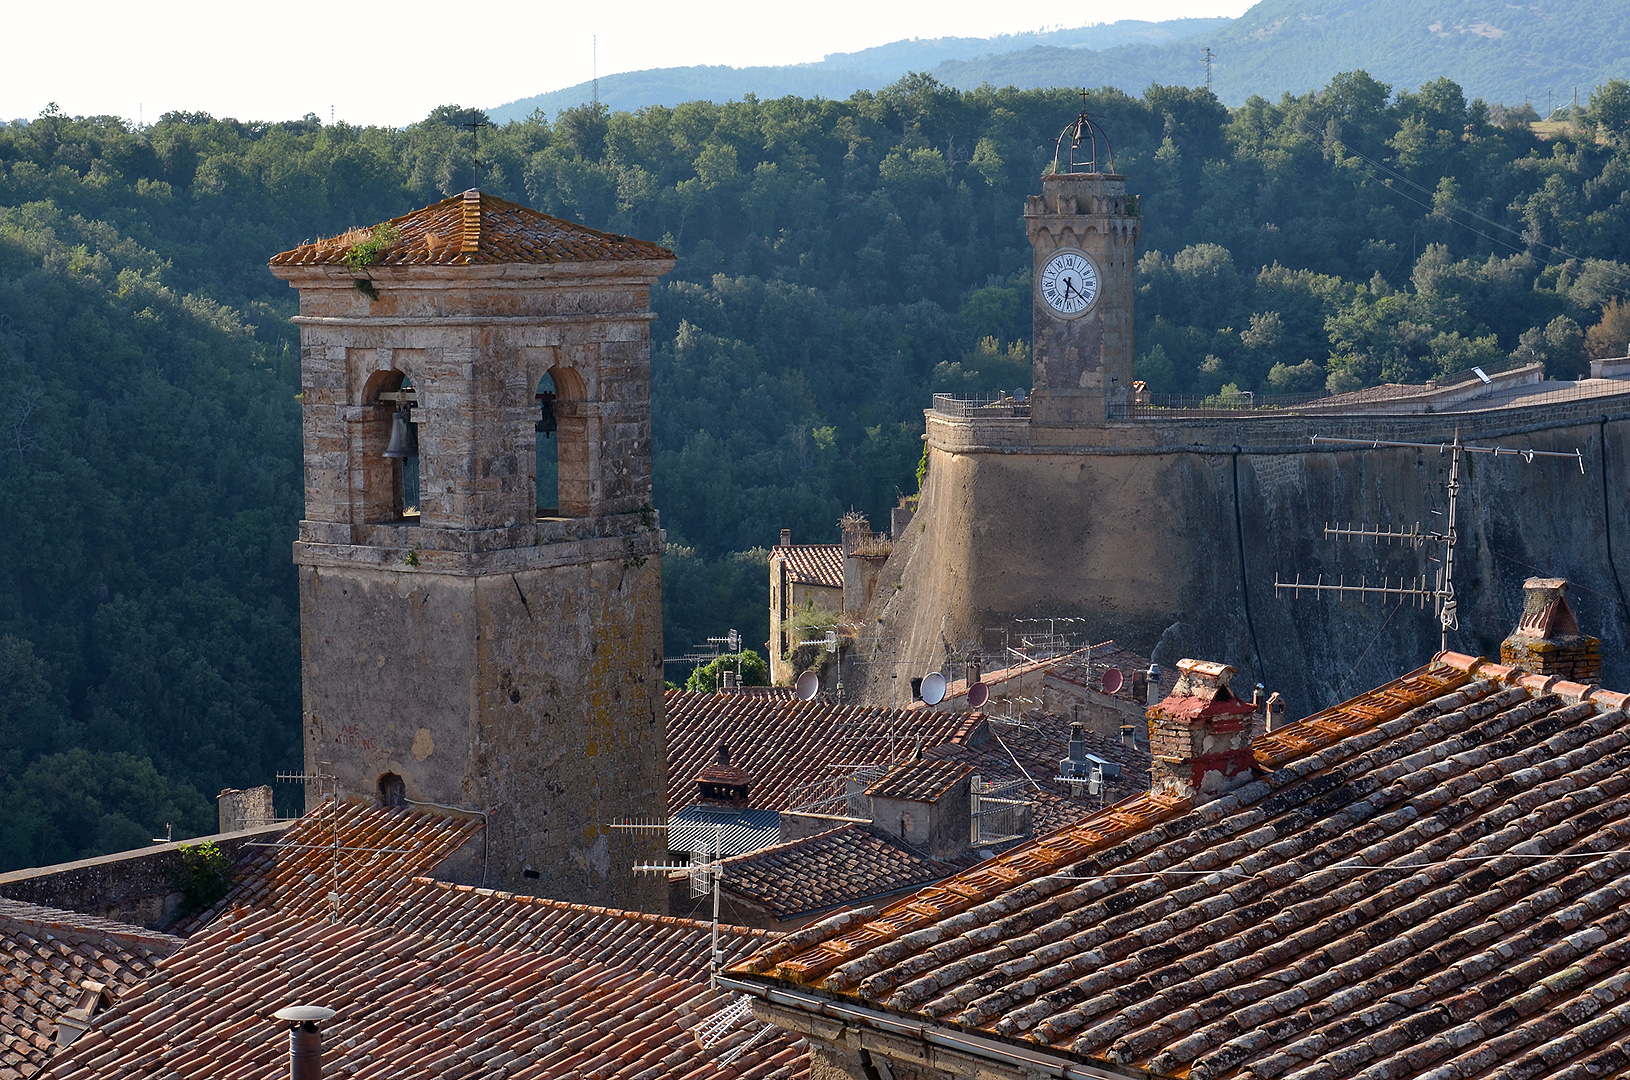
<point x="46" y="958"/>
<point x="1429" y="880"/>
<point x="377" y="848"/>
<point x="920" y="781"/>
<point x="787" y="747"/>
<point x="475" y="229"/>
<point x="429" y="979"/>
<point x="811" y="564"/>
<point x="846" y="865"/>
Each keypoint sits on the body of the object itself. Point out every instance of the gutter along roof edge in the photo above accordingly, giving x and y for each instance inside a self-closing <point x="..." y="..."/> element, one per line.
<point x="1029" y="1060"/>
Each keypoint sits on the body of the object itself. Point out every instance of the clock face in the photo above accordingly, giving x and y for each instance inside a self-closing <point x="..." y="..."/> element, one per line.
<point x="1069" y="282"/>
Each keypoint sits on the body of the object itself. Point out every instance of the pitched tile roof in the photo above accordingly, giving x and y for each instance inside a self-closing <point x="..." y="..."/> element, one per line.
<point x="1029" y="748"/>
<point x="919" y="781"/>
<point x="46" y="958"/>
<point x="811" y="564"/>
<point x="845" y="865"/>
<point x="1082" y="667"/>
<point x="1086" y="667"/>
<point x="446" y="981"/>
<point x="377" y="849"/>
<point x="1429" y="880"/>
<point x="476" y="229"/>
<point x="787" y="746"/>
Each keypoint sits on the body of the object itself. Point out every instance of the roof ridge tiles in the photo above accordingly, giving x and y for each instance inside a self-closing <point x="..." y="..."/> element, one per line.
<point x="1156" y="1062"/>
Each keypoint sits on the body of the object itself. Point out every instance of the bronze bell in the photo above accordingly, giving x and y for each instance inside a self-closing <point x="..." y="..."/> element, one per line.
<point x="546" y="414"/>
<point x="404" y="436"/>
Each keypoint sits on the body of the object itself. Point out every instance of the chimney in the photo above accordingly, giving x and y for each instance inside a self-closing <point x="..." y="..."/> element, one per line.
<point x="722" y="784"/>
<point x="305" y="1040"/>
<point x="1276" y="711"/>
<point x="727" y="680"/>
<point x="786" y="537"/>
<point x="1152" y="692"/>
<point x="1547" y="640"/>
<point x="1200" y="734"/>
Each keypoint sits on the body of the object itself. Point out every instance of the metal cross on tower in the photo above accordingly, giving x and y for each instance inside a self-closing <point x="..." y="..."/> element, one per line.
<point x="475" y="125"/>
<point x="1442" y="592"/>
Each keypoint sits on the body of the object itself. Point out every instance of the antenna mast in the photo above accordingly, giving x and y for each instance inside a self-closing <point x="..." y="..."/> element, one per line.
<point x="1206" y="57"/>
<point x="1443" y="593"/>
<point x="594" y="64"/>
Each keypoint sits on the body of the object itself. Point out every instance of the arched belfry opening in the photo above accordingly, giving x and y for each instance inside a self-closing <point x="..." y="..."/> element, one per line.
<point x="563" y="451"/>
<point x="387" y="446"/>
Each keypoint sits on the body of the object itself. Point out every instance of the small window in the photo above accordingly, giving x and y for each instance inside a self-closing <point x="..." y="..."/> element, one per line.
<point x="392" y="791"/>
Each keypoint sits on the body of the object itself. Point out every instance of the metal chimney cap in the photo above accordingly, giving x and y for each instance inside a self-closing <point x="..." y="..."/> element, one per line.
<point x="303" y="1014"/>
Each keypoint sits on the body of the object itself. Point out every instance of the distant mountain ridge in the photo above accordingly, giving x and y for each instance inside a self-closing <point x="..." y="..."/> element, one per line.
<point x="840" y="74"/>
<point x="1496" y="50"/>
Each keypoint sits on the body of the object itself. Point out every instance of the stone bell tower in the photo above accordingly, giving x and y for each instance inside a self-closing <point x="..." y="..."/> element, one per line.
<point x="1083" y="228"/>
<point x="472" y="650"/>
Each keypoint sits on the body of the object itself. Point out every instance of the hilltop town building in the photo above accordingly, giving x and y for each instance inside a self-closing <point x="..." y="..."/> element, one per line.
<point x="464" y="648"/>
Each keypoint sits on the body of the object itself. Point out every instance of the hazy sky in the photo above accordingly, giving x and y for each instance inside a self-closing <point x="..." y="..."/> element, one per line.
<point x="391" y="63"/>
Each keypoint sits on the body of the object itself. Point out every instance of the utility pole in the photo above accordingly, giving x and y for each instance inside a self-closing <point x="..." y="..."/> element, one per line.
<point x="594" y="65"/>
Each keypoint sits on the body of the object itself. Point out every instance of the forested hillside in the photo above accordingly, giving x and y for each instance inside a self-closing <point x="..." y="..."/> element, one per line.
<point x="839" y="261"/>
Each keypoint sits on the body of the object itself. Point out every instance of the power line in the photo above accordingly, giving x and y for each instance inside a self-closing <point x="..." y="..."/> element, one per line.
<point x="1470" y="213"/>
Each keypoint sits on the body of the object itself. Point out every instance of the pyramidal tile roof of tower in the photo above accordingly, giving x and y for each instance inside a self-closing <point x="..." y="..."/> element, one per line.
<point x="475" y="229"/>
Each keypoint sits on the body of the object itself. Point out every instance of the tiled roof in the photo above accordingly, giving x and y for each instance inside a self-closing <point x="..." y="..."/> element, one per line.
<point x="474" y="229"/>
<point x="377" y="849"/>
<point x="812" y="564"/>
<point x="919" y="781"/>
<point x="845" y="865"/>
<point x="1083" y="667"/>
<point x="1034" y="745"/>
<point x="444" y="981"/>
<point x="1429" y="880"/>
<point x="1086" y="667"/>
<point x="786" y="745"/>
<point x="691" y="829"/>
<point x="46" y="957"/>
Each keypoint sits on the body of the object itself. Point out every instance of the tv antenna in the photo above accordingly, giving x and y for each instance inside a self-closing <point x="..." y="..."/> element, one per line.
<point x="1441" y="593"/>
<point x="1206" y="58"/>
<point x="475" y="125"/>
<point x="705" y="870"/>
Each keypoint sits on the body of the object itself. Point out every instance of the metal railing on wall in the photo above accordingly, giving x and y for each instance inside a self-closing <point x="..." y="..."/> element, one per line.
<point x="987" y="406"/>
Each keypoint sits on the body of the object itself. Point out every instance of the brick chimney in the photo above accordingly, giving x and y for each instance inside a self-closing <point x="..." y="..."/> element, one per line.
<point x="1547" y="640"/>
<point x="1200" y="734"/>
<point x="786" y="537"/>
<point x="722" y="784"/>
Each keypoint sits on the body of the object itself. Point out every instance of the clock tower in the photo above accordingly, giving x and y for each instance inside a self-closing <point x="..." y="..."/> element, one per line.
<point x="1083" y="228"/>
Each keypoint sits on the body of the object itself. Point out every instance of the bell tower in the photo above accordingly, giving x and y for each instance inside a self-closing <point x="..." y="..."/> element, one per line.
<point x="1083" y="228"/>
<point x="459" y="645"/>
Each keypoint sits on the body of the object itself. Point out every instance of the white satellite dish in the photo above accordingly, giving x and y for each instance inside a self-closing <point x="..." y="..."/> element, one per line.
<point x="933" y="690"/>
<point x="807" y="686"/>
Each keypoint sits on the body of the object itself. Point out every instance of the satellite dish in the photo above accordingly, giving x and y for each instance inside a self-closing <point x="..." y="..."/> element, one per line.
<point x="1113" y="681"/>
<point x="978" y="694"/>
<point x="807" y="686"/>
<point x="933" y="688"/>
